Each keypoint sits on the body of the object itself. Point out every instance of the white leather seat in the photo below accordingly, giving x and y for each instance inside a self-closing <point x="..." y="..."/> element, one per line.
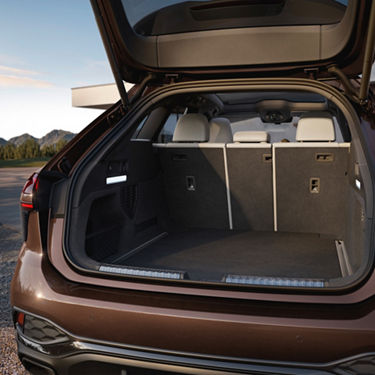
<point x="220" y="130"/>
<point x="315" y="127"/>
<point x="191" y="127"/>
<point x="250" y="136"/>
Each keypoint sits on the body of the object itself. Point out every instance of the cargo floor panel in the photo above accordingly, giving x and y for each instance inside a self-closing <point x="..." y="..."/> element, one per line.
<point x="210" y="254"/>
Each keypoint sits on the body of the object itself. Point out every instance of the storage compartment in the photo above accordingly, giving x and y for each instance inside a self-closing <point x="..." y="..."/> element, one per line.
<point x="271" y="193"/>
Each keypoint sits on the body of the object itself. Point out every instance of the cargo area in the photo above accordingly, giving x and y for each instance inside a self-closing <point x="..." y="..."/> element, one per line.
<point x="273" y="195"/>
<point x="214" y="254"/>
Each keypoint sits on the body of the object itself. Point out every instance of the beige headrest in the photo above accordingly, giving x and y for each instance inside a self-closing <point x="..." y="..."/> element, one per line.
<point x="250" y="136"/>
<point x="220" y="130"/>
<point x="315" y="128"/>
<point x="192" y="127"/>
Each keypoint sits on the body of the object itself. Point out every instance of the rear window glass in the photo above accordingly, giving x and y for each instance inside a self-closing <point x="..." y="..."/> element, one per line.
<point x="158" y="17"/>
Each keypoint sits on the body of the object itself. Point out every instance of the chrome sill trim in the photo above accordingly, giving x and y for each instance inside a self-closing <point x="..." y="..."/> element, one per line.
<point x="134" y="271"/>
<point x="273" y="281"/>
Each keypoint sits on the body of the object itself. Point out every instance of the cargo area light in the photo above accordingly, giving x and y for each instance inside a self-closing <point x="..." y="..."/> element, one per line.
<point x="273" y="281"/>
<point x="176" y="275"/>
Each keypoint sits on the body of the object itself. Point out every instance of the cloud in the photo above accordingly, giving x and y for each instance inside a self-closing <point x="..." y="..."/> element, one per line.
<point x="16" y="77"/>
<point x="11" y="60"/>
<point x="97" y="63"/>
<point x="20" y="81"/>
<point x="92" y="72"/>
<point x="9" y="69"/>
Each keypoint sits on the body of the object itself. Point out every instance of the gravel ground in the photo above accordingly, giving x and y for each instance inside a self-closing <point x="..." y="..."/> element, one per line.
<point x="10" y="238"/>
<point x="9" y="363"/>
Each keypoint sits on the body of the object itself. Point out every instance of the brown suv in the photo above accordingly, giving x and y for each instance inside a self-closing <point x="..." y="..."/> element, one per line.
<point x="219" y="218"/>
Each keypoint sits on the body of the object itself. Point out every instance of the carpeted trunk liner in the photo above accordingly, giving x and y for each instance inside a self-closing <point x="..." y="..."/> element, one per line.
<point x="210" y="254"/>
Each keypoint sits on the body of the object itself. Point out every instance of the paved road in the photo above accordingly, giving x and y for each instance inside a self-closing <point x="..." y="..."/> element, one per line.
<point x="11" y="183"/>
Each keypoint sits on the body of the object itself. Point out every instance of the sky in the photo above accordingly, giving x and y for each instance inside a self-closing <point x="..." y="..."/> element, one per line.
<point x="47" y="47"/>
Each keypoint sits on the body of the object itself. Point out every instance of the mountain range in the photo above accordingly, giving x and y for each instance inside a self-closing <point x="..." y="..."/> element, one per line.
<point x="49" y="139"/>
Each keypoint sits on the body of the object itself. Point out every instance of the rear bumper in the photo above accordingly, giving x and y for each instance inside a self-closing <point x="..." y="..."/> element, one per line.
<point x="109" y="328"/>
<point x="79" y="356"/>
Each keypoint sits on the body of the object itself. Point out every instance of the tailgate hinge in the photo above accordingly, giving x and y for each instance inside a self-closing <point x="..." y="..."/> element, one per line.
<point x="116" y="115"/>
<point x="311" y="72"/>
<point x="171" y="77"/>
<point x="361" y="94"/>
<point x="350" y="90"/>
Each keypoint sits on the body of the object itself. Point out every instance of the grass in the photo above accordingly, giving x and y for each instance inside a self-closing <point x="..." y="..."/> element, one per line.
<point x="38" y="162"/>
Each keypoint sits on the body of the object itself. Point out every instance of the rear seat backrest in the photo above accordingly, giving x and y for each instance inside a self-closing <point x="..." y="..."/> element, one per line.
<point x="250" y="180"/>
<point x="309" y="178"/>
<point x="194" y="174"/>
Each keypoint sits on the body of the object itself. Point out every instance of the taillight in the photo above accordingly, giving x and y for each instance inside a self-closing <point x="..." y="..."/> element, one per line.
<point x="20" y="319"/>
<point x="28" y="201"/>
<point x="28" y="193"/>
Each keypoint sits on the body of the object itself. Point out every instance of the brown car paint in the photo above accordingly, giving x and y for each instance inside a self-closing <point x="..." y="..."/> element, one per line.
<point x="61" y="264"/>
<point x="269" y="326"/>
<point x="213" y="326"/>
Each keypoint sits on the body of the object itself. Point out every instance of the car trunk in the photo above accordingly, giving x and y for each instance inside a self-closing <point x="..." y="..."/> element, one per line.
<point x="144" y="227"/>
<point x="274" y="213"/>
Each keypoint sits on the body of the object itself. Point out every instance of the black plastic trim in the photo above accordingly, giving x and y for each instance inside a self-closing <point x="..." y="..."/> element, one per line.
<point x="62" y="356"/>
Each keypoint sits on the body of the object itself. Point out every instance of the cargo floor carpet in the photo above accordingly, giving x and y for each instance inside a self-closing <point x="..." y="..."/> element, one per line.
<point x="210" y="254"/>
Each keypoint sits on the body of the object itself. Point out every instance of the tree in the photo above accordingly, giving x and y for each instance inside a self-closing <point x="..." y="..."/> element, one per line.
<point x="9" y="151"/>
<point x="48" y="151"/>
<point x="28" y="150"/>
<point x="60" y="145"/>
